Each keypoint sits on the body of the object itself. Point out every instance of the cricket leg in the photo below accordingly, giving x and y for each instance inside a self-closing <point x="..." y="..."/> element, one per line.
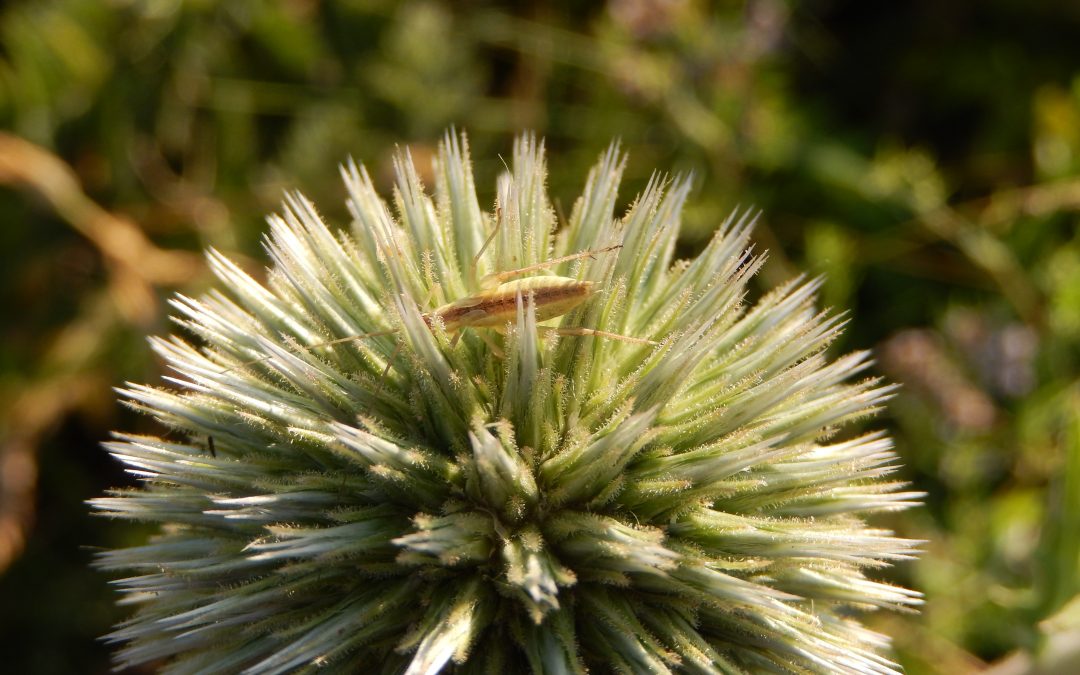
<point x="317" y="345"/>
<point x="486" y="337"/>
<point x="492" y="280"/>
<point x="389" y="363"/>
<point x="400" y="343"/>
<point x="598" y="333"/>
<point x="491" y="237"/>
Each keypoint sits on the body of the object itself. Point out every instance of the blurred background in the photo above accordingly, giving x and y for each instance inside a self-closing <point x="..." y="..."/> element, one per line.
<point x="923" y="155"/>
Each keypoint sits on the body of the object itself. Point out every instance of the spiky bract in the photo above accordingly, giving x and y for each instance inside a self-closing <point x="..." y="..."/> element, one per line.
<point x="504" y="502"/>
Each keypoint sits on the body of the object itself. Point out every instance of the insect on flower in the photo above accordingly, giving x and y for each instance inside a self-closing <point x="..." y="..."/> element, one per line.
<point x="551" y="296"/>
<point x="502" y="295"/>
<point x="428" y="497"/>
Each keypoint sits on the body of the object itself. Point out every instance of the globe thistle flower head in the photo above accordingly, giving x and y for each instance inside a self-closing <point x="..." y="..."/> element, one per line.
<point x="602" y="459"/>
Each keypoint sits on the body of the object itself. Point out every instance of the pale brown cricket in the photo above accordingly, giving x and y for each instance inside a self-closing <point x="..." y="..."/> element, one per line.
<point x="495" y="307"/>
<point x="550" y="296"/>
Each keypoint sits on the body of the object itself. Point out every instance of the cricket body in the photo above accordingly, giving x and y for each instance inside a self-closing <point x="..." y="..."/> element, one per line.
<point x="550" y="296"/>
<point x="494" y="308"/>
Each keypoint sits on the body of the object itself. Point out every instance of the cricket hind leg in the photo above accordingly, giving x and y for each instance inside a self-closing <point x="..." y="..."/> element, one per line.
<point x="593" y="332"/>
<point x="493" y="280"/>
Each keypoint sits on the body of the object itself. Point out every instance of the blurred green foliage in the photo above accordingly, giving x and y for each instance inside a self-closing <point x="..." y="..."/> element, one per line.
<point x="924" y="156"/>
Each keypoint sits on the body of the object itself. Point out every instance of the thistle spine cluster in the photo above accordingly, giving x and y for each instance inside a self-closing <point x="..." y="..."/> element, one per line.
<point x="507" y="501"/>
